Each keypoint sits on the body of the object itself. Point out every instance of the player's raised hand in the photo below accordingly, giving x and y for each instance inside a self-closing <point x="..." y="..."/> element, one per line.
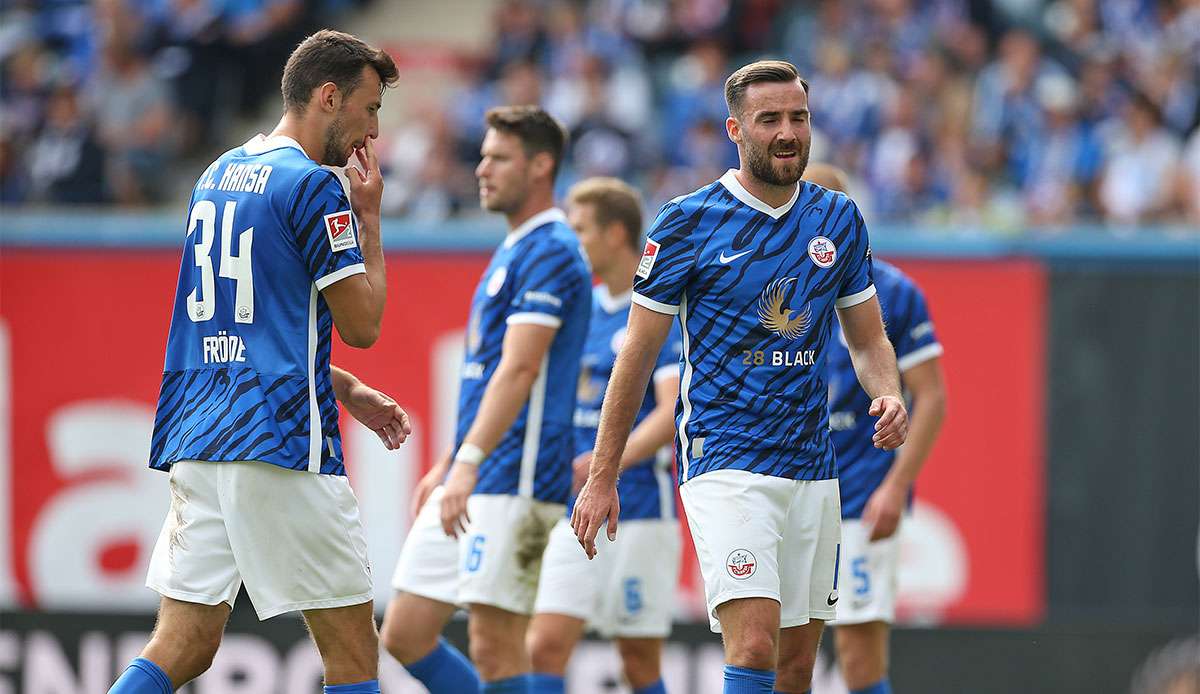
<point x="881" y="515"/>
<point x="596" y="505"/>
<point x="366" y="181"/>
<point x="379" y="413"/>
<point x="892" y="427"/>
<point x="459" y="486"/>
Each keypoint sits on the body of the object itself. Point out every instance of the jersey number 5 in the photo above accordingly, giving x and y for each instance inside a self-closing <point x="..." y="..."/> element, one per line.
<point x="203" y="223"/>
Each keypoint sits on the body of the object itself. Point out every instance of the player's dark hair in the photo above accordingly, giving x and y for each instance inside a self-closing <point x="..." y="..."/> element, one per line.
<point x="761" y="71"/>
<point x="332" y="56"/>
<point x="612" y="200"/>
<point x="537" y="130"/>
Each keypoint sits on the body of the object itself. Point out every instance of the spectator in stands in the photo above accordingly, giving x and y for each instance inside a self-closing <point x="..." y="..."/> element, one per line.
<point x="66" y="162"/>
<point x="134" y="115"/>
<point x="1188" y="183"/>
<point x="1063" y="162"/>
<point x="1138" y="178"/>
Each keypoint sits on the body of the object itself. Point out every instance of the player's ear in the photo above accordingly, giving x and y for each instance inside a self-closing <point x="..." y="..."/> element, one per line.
<point x="734" y="130"/>
<point x="329" y="97"/>
<point x="543" y="164"/>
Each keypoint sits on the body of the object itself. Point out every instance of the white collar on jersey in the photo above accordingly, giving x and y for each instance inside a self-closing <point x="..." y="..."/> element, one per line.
<point x="261" y="143"/>
<point x="544" y="217"/>
<point x="729" y="180"/>
<point x="611" y="304"/>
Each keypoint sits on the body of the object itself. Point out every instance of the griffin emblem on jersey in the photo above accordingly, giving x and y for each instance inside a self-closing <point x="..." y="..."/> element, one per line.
<point x="822" y="251"/>
<point x="777" y="317"/>
<point x="340" y="228"/>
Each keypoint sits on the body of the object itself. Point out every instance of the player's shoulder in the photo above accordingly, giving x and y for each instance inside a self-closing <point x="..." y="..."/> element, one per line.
<point x="814" y="195"/>
<point x="891" y="278"/>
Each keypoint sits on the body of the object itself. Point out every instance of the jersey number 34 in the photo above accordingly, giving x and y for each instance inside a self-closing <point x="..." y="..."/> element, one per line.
<point x="203" y="223"/>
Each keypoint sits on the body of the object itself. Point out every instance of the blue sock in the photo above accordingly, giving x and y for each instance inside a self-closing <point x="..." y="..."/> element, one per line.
<point x="883" y="686"/>
<point x="541" y="683"/>
<point x="656" y="688"/>
<point x="445" y="671"/>
<point x="744" y="680"/>
<point x="513" y="685"/>
<point x="368" y="687"/>
<point x="142" y="677"/>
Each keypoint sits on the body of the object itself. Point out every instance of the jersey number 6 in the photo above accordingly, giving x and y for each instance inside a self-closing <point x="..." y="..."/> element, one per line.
<point x="204" y="221"/>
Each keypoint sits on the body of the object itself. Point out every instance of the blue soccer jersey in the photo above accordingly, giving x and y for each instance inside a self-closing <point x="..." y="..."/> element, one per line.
<point x="862" y="466"/>
<point x="539" y="276"/>
<point x="247" y="366"/>
<point x="755" y="289"/>
<point x="645" y="488"/>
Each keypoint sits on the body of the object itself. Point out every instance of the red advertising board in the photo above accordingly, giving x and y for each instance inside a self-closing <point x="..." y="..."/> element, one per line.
<point x="81" y="348"/>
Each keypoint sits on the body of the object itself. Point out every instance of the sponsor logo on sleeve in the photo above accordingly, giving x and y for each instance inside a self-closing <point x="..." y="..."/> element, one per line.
<point x="648" y="257"/>
<point x="339" y="227"/>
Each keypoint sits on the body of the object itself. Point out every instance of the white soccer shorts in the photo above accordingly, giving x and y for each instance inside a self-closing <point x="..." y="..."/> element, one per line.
<point x="867" y="575"/>
<point x="500" y="558"/>
<point x="293" y="537"/>
<point x="759" y="536"/>
<point x="627" y="591"/>
<point x="428" y="564"/>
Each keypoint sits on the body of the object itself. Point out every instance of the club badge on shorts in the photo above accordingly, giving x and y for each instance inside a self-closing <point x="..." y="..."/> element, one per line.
<point x="741" y="564"/>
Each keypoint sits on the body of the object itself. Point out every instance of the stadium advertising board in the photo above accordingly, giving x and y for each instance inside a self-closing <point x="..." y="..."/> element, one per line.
<point x="82" y="335"/>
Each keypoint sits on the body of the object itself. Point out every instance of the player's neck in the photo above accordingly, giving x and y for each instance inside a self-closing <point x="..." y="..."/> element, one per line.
<point x="535" y="203"/>
<point x="295" y="128"/>
<point x="772" y="195"/>
<point x="618" y="277"/>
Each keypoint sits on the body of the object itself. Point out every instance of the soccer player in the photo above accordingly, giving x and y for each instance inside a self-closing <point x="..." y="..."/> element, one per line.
<point x="247" y="423"/>
<point x="629" y="595"/>
<point x="479" y="536"/>
<point x="876" y="485"/>
<point x="754" y="266"/>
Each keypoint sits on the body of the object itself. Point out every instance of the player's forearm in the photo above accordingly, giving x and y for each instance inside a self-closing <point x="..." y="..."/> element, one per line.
<point x="654" y="432"/>
<point x="372" y="252"/>
<point x="343" y="382"/>
<point x="626" y="389"/>
<point x="875" y="366"/>
<point x="925" y="421"/>
<point x="503" y="399"/>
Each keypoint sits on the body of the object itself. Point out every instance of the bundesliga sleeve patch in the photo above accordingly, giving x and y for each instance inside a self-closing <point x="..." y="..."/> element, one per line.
<point x="339" y="227"/>
<point x="648" y="257"/>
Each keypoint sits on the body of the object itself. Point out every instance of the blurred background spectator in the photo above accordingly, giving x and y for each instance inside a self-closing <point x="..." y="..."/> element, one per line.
<point x="976" y="116"/>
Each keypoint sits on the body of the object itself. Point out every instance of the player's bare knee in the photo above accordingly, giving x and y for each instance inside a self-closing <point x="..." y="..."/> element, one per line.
<point x="753" y="648"/>
<point x="641" y="660"/>
<point x="548" y="652"/>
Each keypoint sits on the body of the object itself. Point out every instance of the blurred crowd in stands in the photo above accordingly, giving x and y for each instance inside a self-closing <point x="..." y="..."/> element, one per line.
<point x="962" y="114"/>
<point x="105" y="101"/>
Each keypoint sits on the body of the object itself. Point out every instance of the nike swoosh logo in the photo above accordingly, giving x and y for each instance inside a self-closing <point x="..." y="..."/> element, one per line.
<point x="726" y="259"/>
<point x="831" y="600"/>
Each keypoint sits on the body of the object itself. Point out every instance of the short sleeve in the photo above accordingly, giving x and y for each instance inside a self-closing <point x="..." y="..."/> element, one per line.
<point x="546" y="281"/>
<point x="911" y="328"/>
<point x="857" y="281"/>
<point x="670" y="354"/>
<point x="666" y="263"/>
<point x="326" y="232"/>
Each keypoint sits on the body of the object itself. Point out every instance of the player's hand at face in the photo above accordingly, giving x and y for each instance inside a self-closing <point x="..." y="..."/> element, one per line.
<point x="366" y="181"/>
<point x="892" y="427"/>
<point x="580" y="465"/>
<point x="379" y="413"/>
<point x="459" y="486"/>
<point x="883" y="510"/>
<point x="597" y="504"/>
